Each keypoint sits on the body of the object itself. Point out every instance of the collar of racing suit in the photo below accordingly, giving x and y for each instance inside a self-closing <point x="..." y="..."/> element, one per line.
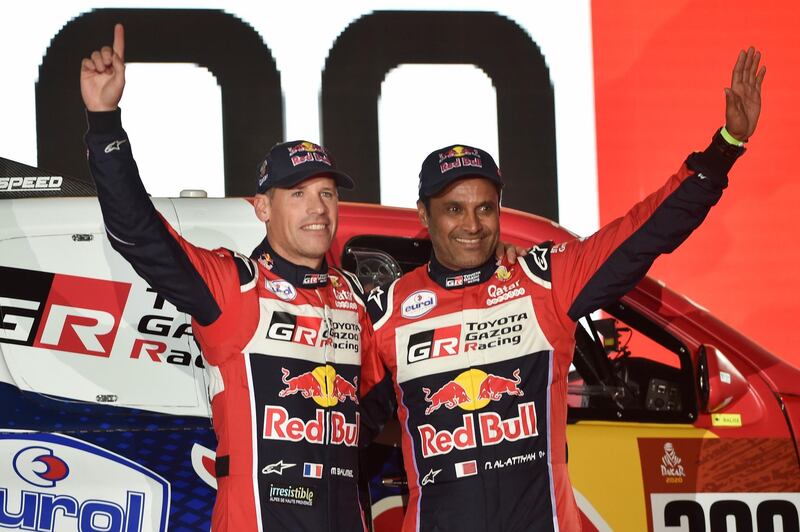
<point x="452" y="279"/>
<point x="298" y="276"/>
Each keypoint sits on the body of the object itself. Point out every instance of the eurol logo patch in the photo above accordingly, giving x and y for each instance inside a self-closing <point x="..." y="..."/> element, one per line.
<point x="418" y="304"/>
<point x="52" y="482"/>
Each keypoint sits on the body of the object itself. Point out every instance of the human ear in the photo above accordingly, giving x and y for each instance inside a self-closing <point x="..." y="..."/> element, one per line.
<point x="262" y="206"/>
<point x="422" y="212"/>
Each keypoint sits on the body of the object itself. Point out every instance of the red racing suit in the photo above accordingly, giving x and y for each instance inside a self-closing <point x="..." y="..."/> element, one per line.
<point x="478" y="360"/>
<point x="282" y="345"/>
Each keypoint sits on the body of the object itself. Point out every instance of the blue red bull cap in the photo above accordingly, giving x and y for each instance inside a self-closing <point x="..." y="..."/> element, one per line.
<point x="289" y="163"/>
<point x="458" y="161"/>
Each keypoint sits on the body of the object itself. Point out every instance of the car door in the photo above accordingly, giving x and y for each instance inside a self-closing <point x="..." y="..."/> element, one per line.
<point x="104" y="419"/>
<point x="645" y="452"/>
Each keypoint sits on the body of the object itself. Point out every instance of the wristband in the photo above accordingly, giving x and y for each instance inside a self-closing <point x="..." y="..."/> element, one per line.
<point x="730" y="139"/>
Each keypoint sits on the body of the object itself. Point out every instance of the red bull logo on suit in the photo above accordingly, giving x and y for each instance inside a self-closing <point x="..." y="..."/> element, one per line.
<point x="473" y="390"/>
<point x="325" y="387"/>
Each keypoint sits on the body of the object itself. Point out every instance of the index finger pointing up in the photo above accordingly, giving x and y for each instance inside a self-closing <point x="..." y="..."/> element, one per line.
<point x="119" y="41"/>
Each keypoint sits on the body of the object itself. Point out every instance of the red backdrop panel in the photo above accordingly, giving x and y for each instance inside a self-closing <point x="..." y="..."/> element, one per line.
<point x="659" y="77"/>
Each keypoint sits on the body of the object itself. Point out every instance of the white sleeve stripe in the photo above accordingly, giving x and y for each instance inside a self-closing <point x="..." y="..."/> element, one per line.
<point x="118" y="239"/>
<point x="389" y="307"/>
<point x="533" y="277"/>
<point x="351" y="279"/>
<point x="252" y="284"/>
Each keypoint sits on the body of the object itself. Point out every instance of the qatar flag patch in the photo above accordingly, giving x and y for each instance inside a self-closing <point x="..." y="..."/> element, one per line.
<point x="466" y="469"/>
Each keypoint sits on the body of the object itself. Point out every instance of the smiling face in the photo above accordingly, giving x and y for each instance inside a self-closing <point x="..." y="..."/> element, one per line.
<point x="301" y="220"/>
<point x="463" y="222"/>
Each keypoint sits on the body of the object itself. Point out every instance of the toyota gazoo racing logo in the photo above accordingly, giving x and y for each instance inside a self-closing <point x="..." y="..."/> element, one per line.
<point x="436" y="343"/>
<point x="313" y="331"/>
<point x="50" y="482"/>
<point x="326" y="388"/>
<point x="61" y="312"/>
<point x="473" y="390"/>
<point x="465" y="279"/>
<point x="418" y="304"/>
<point x="491" y="333"/>
<point x="287" y="327"/>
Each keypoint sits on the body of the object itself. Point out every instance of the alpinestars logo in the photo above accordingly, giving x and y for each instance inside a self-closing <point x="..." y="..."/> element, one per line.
<point x="276" y="468"/>
<point x="115" y="146"/>
<point x="375" y="295"/>
<point x="539" y="255"/>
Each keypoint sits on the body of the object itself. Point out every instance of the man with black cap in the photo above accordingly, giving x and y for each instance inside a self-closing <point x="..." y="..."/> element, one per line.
<point x="283" y="381"/>
<point x="478" y="350"/>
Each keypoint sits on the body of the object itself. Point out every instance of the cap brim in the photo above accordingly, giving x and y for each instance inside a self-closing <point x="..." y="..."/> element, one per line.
<point x="342" y="180"/>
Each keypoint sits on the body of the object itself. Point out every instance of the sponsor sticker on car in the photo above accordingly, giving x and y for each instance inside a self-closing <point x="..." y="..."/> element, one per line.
<point x="53" y="482"/>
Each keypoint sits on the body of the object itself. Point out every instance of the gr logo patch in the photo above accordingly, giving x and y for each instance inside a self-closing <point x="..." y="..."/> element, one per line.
<point x="82" y="315"/>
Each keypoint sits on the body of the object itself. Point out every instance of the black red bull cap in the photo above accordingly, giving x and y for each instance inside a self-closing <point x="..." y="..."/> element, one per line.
<point x="289" y="163"/>
<point x="451" y="163"/>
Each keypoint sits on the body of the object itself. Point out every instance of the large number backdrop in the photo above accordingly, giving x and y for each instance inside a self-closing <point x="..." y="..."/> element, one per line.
<point x="589" y="107"/>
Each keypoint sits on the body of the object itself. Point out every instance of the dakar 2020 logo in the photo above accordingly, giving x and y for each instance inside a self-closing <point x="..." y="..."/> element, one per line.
<point x="671" y="467"/>
<point x="53" y="482"/>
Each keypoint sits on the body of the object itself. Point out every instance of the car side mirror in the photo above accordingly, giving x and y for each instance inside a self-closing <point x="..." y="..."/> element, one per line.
<point x="719" y="381"/>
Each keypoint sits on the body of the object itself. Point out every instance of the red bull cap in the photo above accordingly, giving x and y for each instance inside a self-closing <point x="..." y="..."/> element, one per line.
<point x="446" y="165"/>
<point x="289" y="163"/>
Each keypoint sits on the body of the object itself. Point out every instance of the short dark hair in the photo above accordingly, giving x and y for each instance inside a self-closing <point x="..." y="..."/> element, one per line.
<point x="426" y="201"/>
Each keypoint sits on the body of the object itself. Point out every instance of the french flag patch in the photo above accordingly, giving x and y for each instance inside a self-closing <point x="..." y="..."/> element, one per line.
<point x="312" y="470"/>
<point x="466" y="469"/>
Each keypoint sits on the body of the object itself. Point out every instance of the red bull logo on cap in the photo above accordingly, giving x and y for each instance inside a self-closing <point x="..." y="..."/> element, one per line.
<point x="310" y="153"/>
<point x="309" y="147"/>
<point x="458" y="151"/>
<point x="459" y="156"/>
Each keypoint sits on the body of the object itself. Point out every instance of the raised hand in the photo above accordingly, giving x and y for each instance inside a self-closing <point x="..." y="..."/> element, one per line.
<point x="103" y="75"/>
<point x="743" y="97"/>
